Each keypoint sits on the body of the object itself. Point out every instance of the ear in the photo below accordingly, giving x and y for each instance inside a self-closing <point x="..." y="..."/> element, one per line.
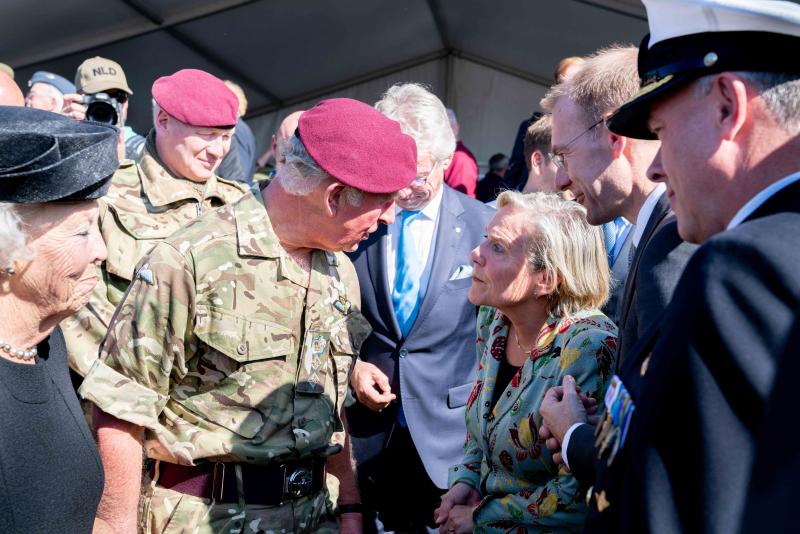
<point x="537" y="162"/>
<point x="162" y="119"/>
<point x="333" y="199"/>
<point x="546" y="284"/>
<point x="275" y="145"/>
<point x="730" y="100"/>
<point x="617" y="144"/>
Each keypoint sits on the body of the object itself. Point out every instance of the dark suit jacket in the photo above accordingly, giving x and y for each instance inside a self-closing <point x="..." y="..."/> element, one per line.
<point x="775" y="480"/>
<point x="656" y="268"/>
<point x="432" y="370"/>
<point x="700" y="381"/>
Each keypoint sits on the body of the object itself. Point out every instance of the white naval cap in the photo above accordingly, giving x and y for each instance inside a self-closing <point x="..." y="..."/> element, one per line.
<point x="691" y="38"/>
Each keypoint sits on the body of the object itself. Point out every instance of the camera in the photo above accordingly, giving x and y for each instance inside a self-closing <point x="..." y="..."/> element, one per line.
<point x="102" y="107"/>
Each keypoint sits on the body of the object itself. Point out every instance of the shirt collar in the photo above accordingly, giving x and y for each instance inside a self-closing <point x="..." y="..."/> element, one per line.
<point x="645" y="212"/>
<point x="162" y="187"/>
<point x="431" y="210"/>
<point x="754" y="203"/>
<point x="254" y="232"/>
<point x="255" y="237"/>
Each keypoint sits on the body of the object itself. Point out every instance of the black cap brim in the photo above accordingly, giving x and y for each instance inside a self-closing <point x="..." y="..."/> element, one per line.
<point x="670" y="64"/>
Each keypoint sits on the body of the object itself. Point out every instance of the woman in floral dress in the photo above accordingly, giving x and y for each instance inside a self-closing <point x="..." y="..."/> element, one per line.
<point x="540" y="277"/>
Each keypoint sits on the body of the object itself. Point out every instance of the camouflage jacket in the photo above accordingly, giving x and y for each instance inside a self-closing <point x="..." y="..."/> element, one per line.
<point x="144" y="205"/>
<point x="224" y="348"/>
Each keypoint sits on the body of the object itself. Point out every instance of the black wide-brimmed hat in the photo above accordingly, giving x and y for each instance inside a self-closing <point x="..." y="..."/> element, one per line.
<point x="689" y="39"/>
<point x="46" y="157"/>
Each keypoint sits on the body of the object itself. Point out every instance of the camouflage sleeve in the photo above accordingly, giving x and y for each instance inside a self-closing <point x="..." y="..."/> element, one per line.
<point x="358" y="326"/>
<point x="148" y="343"/>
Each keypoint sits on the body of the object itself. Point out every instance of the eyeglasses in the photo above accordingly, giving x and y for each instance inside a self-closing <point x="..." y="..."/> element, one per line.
<point x="422" y="181"/>
<point x="558" y="158"/>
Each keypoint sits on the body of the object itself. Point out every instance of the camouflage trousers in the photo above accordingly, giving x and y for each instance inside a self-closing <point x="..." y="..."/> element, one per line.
<point x="170" y="512"/>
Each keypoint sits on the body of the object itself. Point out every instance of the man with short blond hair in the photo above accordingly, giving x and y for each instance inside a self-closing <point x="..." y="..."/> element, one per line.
<point x="607" y="173"/>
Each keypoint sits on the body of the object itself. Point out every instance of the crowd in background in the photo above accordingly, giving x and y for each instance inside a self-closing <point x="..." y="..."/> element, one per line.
<point x="352" y="332"/>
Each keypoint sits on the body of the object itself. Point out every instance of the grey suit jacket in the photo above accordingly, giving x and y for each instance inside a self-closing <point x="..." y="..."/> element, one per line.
<point x="657" y="265"/>
<point x="433" y="369"/>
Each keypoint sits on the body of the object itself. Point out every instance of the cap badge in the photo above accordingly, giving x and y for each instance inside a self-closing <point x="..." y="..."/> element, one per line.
<point x="710" y="59"/>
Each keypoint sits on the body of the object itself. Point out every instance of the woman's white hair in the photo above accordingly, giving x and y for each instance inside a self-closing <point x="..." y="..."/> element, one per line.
<point x="12" y="236"/>
<point x="562" y="243"/>
<point x="300" y="174"/>
<point x="422" y="116"/>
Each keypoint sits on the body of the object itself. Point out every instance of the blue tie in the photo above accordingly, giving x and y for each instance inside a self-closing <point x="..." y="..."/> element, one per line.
<point x="615" y="234"/>
<point x="405" y="294"/>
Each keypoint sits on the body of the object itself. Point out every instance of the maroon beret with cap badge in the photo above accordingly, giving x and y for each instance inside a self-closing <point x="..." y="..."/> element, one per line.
<point x="197" y="98"/>
<point x="358" y="145"/>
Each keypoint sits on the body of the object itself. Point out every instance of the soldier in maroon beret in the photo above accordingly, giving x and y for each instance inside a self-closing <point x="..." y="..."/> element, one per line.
<point x="173" y="182"/>
<point x="231" y="353"/>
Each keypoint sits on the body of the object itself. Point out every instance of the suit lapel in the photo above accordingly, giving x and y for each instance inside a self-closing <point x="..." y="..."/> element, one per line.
<point x="376" y="265"/>
<point x="448" y="237"/>
<point x="660" y="211"/>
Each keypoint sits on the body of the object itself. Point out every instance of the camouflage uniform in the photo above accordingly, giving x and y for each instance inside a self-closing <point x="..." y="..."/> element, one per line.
<point x="220" y="352"/>
<point x="144" y="205"/>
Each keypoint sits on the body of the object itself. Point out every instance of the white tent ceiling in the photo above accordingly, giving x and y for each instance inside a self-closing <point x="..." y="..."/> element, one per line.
<point x="491" y="61"/>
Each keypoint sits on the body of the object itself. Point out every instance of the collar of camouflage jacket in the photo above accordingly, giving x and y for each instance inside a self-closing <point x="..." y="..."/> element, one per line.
<point x="163" y="188"/>
<point x="254" y="232"/>
<point x="256" y="238"/>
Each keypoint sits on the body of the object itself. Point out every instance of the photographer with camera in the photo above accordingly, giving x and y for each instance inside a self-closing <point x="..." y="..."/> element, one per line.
<point x="101" y="95"/>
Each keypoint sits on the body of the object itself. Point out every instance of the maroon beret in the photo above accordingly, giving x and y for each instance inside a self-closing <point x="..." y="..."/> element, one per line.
<point x="358" y="145"/>
<point x="197" y="98"/>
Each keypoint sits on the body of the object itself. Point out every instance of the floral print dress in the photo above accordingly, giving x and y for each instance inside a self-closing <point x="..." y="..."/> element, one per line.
<point x="504" y="458"/>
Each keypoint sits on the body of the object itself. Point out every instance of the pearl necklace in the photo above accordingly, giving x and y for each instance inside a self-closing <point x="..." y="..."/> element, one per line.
<point x="18" y="353"/>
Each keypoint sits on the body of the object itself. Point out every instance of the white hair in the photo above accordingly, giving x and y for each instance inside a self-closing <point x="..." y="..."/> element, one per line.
<point x="422" y="116"/>
<point x="780" y="92"/>
<point x="12" y="236"/>
<point x="451" y="116"/>
<point x="300" y="174"/>
<point x="51" y="92"/>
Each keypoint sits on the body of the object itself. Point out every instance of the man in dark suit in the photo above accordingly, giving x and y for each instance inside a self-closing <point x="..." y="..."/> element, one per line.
<point x="417" y="368"/>
<point x="658" y="254"/>
<point x="677" y="444"/>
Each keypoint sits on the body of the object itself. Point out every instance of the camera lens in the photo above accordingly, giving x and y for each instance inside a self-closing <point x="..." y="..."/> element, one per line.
<point x="99" y="111"/>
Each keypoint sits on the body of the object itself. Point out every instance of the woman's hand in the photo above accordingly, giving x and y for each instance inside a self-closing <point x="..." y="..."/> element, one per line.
<point x="461" y="494"/>
<point x="459" y="521"/>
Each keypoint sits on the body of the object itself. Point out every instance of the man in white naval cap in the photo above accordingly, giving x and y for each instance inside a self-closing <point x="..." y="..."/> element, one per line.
<point x="677" y="442"/>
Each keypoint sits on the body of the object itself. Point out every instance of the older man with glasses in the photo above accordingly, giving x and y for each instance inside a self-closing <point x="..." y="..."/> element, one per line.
<point x="416" y="370"/>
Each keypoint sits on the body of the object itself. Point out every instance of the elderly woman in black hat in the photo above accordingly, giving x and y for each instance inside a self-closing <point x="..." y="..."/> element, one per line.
<point x="52" y="169"/>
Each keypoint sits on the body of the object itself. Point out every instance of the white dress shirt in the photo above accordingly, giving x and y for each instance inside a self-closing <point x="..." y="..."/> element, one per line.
<point x="645" y="212"/>
<point x="423" y="230"/>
